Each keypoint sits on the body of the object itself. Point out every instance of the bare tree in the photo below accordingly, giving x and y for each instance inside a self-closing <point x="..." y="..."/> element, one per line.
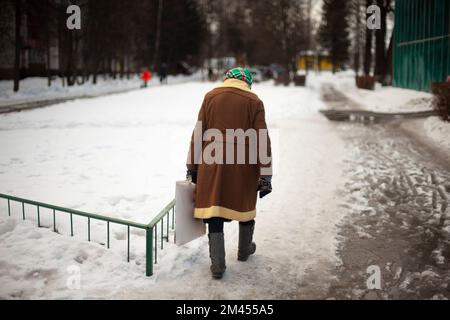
<point x="103" y="45"/>
<point x="334" y="31"/>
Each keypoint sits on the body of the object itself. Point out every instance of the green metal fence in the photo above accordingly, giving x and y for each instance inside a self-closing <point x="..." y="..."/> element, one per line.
<point x="421" y="43"/>
<point x="164" y="221"/>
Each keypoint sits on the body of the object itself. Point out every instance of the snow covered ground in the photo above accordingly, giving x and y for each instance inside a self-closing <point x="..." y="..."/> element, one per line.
<point x="439" y="131"/>
<point x="36" y="89"/>
<point x="393" y="100"/>
<point x="121" y="155"/>
<point x="432" y="132"/>
<point x="382" y="99"/>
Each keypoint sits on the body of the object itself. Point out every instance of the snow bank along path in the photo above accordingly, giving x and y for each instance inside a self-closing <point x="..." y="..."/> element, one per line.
<point x="121" y="155"/>
<point x="36" y="89"/>
<point x="382" y="99"/>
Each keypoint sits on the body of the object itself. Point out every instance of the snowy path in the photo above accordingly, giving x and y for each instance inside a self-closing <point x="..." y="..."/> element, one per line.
<point x="396" y="201"/>
<point x="121" y="155"/>
<point x="398" y="216"/>
<point x="295" y="230"/>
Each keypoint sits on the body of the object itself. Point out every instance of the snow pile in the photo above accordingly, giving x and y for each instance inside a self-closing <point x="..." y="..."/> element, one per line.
<point x="439" y="131"/>
<point x="382" y="99"/>
<point x="433" y="133"/>
<point x="388" y="99"/>
<point x="121" y="155"/>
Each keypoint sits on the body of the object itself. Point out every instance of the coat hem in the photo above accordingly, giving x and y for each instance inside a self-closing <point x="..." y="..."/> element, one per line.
<point x="218" y="211"/>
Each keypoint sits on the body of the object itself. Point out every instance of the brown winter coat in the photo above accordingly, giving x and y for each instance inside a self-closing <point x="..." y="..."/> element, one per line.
<point x="228" y="190"/>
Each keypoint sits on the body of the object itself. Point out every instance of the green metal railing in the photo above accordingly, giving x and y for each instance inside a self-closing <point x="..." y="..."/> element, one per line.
<point x="166" y="215"/>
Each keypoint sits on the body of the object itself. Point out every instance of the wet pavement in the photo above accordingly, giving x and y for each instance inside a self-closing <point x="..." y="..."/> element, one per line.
<point x="396" y="201"/>
<point x="398" y="218"/>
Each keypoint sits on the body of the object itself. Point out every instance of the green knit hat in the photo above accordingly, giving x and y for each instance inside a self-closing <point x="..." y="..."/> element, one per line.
<point x="241" y="74"/>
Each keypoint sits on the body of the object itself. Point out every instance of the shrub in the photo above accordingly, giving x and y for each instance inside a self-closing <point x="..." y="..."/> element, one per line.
<point x="283" y="79"/>
<point x="441" y="102"/>
<point x="300" y="80"/>
<point x="365" y="82"/>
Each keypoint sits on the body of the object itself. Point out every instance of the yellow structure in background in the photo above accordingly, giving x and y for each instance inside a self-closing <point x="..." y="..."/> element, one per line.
<point x="316" y="62"/>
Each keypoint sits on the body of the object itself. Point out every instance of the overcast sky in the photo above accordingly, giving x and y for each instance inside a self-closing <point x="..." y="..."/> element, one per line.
<point x="317" y="10"/>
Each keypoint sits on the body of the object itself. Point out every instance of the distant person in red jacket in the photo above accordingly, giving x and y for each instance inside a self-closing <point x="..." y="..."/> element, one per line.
<point x="146" y="77"/>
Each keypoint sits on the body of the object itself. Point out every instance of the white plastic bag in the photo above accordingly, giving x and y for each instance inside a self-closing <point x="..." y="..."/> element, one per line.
<point x="187" y="227"/>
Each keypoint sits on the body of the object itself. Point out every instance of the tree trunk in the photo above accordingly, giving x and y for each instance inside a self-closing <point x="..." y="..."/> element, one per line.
<point x="113" y="68"/>
<point x="48" y="44"/>
<point x="122" y="67"/>
<point x="61" y="57"/>
<point x="368" y="47"/>
<point x="49" y="71"/>
<point x="334" y="63"/>
<point x="388" y="69"/>
<point x="69" y="67"/>
<point x="105" y="68"/>
<point x="95" y="72"/>
<point x="357" y="58"/>
<point x="128" y="71"/>
<point x="380" y="40"/>
<point x="309" y="30"/>
<point x="18" y="44"/>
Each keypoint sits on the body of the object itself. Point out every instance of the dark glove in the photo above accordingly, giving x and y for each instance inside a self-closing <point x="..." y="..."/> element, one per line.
<point x="264" y="186"/>
<point x="191" y="176"/>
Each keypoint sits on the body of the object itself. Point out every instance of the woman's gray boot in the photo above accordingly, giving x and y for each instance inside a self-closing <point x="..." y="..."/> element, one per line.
<point x="217" y="254"/>
<point x="246" y="245"/>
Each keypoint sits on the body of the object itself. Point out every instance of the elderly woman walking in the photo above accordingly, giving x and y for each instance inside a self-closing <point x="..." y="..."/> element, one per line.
<point x="226" y="188"/>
